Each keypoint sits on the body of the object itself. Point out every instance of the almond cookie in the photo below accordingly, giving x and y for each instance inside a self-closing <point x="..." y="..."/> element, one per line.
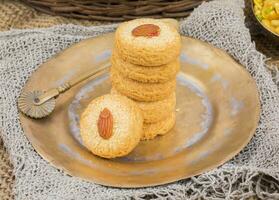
<point x="171" y="22"/>
<point x="147" y="42"/>
<point x="150" y="131"/>
<point x="141" y="91"/>
<point x="140" y="73"/>
<point x="152" y="111"/>
<point x="111" y="126"/>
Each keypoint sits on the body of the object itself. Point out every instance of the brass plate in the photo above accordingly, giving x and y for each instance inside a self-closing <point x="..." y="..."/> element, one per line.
<point x="217" y="114"/>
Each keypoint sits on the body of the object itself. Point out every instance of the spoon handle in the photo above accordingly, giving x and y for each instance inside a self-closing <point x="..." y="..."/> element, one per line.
<point x="54" y="92"/>
<point x="85" y="76"/>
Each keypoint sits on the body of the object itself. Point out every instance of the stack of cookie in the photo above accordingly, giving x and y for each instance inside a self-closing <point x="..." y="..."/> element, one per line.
<point x="144" y="65"/>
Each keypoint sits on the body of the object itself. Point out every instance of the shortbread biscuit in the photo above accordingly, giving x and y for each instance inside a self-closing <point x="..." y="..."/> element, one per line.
<point x="140" y="73"/>
<point x="150" y="131"/>
<point x="147" y="42"/>
<point x="157" y="110"/>
<point x="111" y="126"/>
<point x="171" y="22"/>
<point x="141" y="91"/>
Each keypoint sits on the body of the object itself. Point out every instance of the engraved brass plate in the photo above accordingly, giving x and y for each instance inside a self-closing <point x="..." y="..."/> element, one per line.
<point x="217" y="114"/>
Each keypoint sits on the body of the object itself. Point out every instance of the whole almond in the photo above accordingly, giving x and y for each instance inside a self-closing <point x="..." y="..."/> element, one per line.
<point x="146" y="30"/>
<point x="105" y="124"/>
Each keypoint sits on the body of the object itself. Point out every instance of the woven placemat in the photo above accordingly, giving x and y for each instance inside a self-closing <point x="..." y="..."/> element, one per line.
<point x="14" y="14"/>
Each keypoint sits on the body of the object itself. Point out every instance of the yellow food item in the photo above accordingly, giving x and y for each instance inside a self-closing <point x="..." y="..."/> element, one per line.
<point x="275" y="22"/>
<point x="267" y="11"/>
<point x="268" y="25"/>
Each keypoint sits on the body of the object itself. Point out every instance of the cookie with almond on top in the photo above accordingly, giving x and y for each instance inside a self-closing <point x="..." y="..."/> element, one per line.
<point x="111" y="126"/>
<point x="147" y="42"/>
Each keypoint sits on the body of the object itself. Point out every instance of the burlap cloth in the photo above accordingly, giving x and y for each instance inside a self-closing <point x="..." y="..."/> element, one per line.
<point x="14" y="14"/>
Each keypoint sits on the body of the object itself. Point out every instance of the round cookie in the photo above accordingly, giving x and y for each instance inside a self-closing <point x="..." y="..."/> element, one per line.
<point x="150" y="131"/>
<point x="140" y="73"/>
<point x="171" y="22"/>
<point x="111" y="126"/>
<point x="152" y="111"/>
<point x="141" y="91"/>
<point x="147" y="42"/>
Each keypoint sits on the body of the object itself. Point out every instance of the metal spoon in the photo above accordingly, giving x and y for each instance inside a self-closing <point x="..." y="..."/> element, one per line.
<point x="38" y="104"/>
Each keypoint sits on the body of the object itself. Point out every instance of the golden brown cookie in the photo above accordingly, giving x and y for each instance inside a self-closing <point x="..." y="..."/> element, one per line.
<point x="140" y="73"/>
<point x="171" y="22"/>
<point x="150" y="131"/>
<point x="147" y="42"/>
<point x="111" y="126"/>
<point x="152" y="111"/>
<point x="141" y="91"/>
